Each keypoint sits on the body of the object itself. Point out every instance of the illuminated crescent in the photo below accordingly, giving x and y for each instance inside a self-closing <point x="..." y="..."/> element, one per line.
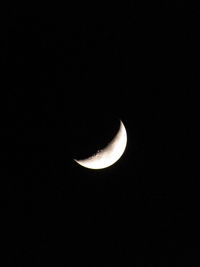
<point x="108" y="155"/>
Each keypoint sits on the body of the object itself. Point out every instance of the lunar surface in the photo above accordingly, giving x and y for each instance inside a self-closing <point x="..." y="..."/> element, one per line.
<point x="110" y="154"/>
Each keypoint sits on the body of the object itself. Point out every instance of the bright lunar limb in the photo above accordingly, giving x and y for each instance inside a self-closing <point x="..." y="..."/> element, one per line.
<point x="108" y="155"/>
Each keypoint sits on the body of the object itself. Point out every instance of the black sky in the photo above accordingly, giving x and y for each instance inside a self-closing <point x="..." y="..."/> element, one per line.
<point x="68" y="79"/>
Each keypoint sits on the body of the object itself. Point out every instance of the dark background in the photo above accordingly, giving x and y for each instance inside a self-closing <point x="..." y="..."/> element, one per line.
<point x="67" y="79"/>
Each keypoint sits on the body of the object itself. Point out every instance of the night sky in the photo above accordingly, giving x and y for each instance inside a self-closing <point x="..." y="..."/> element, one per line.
<point x="67" y="80"/>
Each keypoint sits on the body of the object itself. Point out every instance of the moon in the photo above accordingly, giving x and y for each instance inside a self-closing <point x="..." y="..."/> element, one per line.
<point x="108" y="155"/>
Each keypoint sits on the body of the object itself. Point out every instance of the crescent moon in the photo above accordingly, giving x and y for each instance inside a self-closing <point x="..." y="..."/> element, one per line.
<point x="108" y="155"/>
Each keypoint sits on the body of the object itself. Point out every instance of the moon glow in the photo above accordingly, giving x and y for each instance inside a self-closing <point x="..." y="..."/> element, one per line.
<point x="108" y="155"/>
